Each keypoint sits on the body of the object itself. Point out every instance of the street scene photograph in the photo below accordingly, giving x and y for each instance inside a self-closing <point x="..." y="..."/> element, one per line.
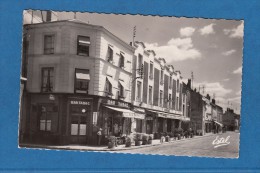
<point x="131" y="84"/>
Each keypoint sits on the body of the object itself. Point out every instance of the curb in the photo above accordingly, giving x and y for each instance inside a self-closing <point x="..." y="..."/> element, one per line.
<point x="107" y="149"/>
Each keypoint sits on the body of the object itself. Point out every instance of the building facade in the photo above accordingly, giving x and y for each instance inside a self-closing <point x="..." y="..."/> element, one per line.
<point x="78" y="81"/>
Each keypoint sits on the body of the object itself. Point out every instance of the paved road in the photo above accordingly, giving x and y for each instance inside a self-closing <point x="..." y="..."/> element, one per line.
<point x="195" y="147"/>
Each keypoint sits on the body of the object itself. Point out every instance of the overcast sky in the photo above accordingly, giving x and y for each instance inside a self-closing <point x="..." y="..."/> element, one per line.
<point x="211" y="48"/>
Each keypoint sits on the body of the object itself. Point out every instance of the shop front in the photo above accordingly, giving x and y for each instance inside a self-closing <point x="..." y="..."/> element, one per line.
<point x="117" y="118"/>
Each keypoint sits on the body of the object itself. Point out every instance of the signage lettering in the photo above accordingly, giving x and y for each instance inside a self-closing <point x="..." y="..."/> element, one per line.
<point x="113" y="102"/>
<point x="75" y="102"/>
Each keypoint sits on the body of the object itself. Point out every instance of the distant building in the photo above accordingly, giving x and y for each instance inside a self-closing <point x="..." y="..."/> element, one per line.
<point x="231" y="120"/>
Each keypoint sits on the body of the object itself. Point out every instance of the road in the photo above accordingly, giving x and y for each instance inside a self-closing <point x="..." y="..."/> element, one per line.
<point x="201" y="146"/>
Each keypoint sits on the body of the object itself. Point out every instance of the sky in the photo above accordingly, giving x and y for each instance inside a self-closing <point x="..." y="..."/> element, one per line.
<point x="211" y="49"/>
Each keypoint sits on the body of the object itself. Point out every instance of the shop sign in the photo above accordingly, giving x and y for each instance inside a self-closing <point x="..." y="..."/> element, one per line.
<point x="139" y="110"/>
<point x="76" y="102"/>
<point x="117" y="103"/>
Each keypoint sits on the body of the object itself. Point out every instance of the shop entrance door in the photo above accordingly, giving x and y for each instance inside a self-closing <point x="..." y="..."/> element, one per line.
<point x="80" y="119"/>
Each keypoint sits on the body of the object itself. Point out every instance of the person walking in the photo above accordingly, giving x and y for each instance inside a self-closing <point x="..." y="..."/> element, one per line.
<point x="99" y="134"/>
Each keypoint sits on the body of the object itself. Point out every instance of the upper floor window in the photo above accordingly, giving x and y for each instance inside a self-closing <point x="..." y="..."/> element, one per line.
<point x="177" y="104"/>
<point x="170" y="86"/>
<point x="150" y="95"/>
<point x="47" y="79"/>
<point x="82" y="79"/>
<point x="170" y="100"/>
<point x="178" y="85"/>
<point x="83" y="45"/>
<point x="110" y="54"/>
<point x="140" y="61"/>
<point x="151" y="71"/>
<point x="108" y="87"/>
<point x="161" y="98"/>
<point x="122" y="61"/>
<point x="162" y="74"/>
<point x="120" y="90"/>
<point x="139" y="84"/>
<point x="49" y="44"/>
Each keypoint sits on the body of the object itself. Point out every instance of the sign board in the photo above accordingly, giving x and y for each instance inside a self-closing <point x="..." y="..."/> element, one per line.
<point x="95" y="116"/>
<point x="77" y="102"/>
<point x="116" y="103"/>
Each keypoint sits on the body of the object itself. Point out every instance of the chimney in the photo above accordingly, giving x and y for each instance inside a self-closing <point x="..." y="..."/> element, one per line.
<point x="214" y="101"/>
<point x="130" y="43"/>
<point x="189" y="83"/>
<point x="208" y="97"/>
<point x="48" y="16"/>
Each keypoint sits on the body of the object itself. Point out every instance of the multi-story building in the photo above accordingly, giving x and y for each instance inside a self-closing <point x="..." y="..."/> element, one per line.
<point x="157" y="93"/>
<point x="78" y="80"/>
<point x="231" y="120"/>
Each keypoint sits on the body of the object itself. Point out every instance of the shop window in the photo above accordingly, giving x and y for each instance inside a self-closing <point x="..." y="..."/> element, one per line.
<point x="48" y="44"/>
<point x="110" y="54"/>
<point x="47" y="79"/>
<point x="122" y="61"/>
<point x="48" y="119"/>
<point x="139" y="84"/>
<point x="78" y="125"/>
<point x="82" y="79"/>
<point x="83" y="45"/>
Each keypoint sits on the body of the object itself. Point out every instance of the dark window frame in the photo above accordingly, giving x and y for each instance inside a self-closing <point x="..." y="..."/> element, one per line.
<point x="48" y="45"/>
<point x="81" y="82"/>
<point x="110" y="53"/>
<point x="83" y="50"/>
<point x="49" y="86"/>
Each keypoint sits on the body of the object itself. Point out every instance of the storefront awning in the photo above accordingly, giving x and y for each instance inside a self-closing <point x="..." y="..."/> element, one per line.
<point x="127" y="113"/>
<point x="165" y="115"/>
<point x="124" y="85"/>
<point x="113" y="83"/>
<point x="82" y="76"/>
<point x="221" y="125"/>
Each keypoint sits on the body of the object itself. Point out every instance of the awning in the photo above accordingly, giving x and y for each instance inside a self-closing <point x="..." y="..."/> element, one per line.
<point x="113" y="83"/>
<point x="165" y="115"/>
<point x="221" y="125"/>
<point x="127" y="113"/>
<point x="82" y="76"/>
<point x="124" y="85"/>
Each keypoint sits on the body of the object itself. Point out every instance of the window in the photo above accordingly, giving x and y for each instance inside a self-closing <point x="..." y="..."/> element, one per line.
<point x="120" y="90"/>
<point x="161" y="81"/>
<point x="48" y="44"/>
<point x="82" y="79"/>
<point x="83" y="45"/>
<point x="178" y="85"/>
<point x="177" y="104"/>
<point x="151" y="71"/>
<point x="47" y="79"/>
<point x="140" y="61"/>
<point x="150" y="95"/>
<point x="108" y="87"/>
<point x="139" y="84"/>
<point x="110" y="54"/>
<point x="170" y="82"/>
<point x="170" y="100"/>
<point x="48" y="118"/>
<point x="161" y="98"/>
<point x="122" y="61"/>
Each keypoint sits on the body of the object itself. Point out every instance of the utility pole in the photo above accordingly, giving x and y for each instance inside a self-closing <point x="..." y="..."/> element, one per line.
<point x="75" y="15"/>
<point x="192" y="78"/>
<point x="203" y="89"/>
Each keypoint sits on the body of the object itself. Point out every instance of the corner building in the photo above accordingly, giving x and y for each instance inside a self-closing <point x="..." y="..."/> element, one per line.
<point x="78" y="79"/>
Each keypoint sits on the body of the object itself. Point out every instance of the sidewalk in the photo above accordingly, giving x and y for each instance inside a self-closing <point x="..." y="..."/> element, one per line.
<point x="105" y="148"/>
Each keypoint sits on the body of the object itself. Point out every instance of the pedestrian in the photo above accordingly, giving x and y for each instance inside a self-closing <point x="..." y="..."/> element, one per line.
<point x="99" y="134"/>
